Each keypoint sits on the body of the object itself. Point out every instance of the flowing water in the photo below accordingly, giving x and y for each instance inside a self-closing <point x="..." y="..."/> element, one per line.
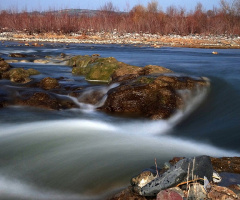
<point x="84" y="154"/>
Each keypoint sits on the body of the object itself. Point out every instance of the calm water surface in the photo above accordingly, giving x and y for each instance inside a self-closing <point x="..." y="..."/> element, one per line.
<point x="84" y="154"/>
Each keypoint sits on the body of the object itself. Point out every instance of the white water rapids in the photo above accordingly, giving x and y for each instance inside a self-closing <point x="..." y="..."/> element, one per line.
<point x="41" y="160"/>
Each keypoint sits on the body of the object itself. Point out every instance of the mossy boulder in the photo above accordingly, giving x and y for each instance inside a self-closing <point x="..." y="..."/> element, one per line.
<point x="108" y="69"/>
<point x="17" y="75"/>
<point x="49" y="83"/>
<point x="94" y="68"/>
<point x="4" y="66"/>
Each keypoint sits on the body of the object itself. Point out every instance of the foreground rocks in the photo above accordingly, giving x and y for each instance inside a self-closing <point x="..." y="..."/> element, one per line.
<point x="188" y="178"/>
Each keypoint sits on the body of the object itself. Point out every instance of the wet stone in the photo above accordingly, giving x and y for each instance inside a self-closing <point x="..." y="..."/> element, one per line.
<point x="196" y="192"/>
<point x="170" y="194"/>
<point x="199" y="166"/>
<point x="221" y="193"/>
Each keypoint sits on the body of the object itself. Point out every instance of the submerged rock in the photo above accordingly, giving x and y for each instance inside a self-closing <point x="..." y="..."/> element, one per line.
<point x="17" y="55"/>
<point x="41" y="61"/>
<point x="46" y="101"/>
<point x="49" y="83"/>
<point x="33" y="72"/>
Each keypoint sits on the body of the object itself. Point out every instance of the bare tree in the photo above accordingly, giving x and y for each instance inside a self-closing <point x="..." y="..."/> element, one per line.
<point x="232" y="7"/>
<point x="152" y="6"/>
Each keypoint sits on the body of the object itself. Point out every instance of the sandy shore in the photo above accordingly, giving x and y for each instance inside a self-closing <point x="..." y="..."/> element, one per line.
<point x="154" y="40"/>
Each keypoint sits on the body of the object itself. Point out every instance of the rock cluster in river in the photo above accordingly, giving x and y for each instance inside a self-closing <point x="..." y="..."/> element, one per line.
<point x="187" y="178"/>
<point x="152" y="91"/>
<point x="17" y="75"/>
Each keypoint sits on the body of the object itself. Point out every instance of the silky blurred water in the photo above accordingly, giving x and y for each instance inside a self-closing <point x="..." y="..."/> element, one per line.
<point x="85" y="154"/>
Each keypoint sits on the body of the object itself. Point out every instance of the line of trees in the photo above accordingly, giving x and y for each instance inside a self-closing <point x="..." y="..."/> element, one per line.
<point x="140" y="19"/>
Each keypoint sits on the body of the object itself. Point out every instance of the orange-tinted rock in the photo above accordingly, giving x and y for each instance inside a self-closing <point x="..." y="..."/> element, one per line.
<point x="221" y="193"/>
<point x="175" y="160"/>
<point x="49" y="83"/>
<point x="226" y="164"/>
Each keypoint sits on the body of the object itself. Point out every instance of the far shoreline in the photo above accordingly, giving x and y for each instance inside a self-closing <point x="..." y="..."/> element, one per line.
<point x="152" y="40"/>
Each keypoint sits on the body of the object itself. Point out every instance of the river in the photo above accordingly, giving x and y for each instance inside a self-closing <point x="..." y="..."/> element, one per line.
<point x="85" y="154"/>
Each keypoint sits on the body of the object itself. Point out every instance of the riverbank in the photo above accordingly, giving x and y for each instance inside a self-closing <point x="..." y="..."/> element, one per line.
<point x="154" y="40"/>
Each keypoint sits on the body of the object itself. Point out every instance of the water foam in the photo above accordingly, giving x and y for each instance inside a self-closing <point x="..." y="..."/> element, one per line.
<point x="8" y="51"/>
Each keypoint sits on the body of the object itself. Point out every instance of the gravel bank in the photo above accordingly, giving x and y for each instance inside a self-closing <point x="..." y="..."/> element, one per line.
<point x="154" y="40"/>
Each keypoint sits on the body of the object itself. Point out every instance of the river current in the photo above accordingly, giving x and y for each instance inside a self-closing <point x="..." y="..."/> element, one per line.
<point x="85" y="154"/>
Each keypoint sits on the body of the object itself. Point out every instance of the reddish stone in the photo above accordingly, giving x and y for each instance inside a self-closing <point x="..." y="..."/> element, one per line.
<point x="169" y="194"/>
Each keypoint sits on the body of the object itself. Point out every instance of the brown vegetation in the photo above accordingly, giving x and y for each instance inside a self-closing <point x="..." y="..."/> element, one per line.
<point x="140" y="19"/>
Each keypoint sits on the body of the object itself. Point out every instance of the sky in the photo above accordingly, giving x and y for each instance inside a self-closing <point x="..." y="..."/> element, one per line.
<point x="123" y="5"/>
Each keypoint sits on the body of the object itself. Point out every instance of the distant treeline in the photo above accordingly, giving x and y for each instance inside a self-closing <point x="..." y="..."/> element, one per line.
<point x="140" y="19"/>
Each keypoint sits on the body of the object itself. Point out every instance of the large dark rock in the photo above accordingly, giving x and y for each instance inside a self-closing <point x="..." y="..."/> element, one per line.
<point x="199" y="166"/>
<point x="154" y="96"/>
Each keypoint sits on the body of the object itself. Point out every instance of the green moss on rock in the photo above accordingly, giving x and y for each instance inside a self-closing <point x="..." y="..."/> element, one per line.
<point x="17" y="75"/>
<point x="32" y="72"/>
